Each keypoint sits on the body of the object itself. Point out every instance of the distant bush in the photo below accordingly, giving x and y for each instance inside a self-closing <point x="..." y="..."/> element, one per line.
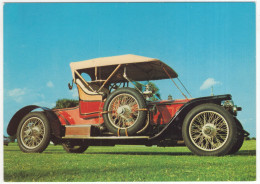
<point x="66" y="103"/>
<point x="250" y="138"/>
<point x="247" y="138"/>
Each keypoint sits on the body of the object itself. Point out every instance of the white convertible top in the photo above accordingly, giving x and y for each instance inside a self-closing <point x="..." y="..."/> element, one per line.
<point x="139" y="68"/>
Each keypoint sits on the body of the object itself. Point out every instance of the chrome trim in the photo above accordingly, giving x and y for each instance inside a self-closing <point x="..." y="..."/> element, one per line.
<point x="230" y="106"/>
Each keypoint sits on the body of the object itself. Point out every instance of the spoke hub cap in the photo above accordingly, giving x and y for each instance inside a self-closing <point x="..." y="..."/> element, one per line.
<point x="123" y="109"/>
<point x="209" y="130"/>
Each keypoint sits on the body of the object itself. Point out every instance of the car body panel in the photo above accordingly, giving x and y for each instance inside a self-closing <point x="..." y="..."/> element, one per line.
<point x="71" y="116"/>
<point x="90" y="109"/>
<point x="165" y="110"/>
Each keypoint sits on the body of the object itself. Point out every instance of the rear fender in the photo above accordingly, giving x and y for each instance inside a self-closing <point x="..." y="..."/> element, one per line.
<point x="51" y="116"/>
<point x="178" y="118"/>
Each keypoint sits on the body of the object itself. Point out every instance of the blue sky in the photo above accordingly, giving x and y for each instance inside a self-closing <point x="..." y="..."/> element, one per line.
<point x="206" y="43"/>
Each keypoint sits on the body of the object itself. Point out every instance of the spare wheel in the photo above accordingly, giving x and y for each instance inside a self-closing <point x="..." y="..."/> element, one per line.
<point x="125" y="111"/>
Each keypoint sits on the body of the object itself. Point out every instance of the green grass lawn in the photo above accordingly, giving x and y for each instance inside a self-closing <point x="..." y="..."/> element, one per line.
<point x="128" y="163"/>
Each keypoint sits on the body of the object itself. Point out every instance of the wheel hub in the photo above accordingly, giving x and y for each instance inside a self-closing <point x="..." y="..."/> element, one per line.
<point x="209" y="130"/>
<point x="35" y="131"/>
<point x="121" y="110"/>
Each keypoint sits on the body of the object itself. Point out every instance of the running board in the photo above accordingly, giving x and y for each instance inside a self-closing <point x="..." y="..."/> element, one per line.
<point x="80" y="131"/>
<point x="105" y="137"/>
<point x="92" y="132"/>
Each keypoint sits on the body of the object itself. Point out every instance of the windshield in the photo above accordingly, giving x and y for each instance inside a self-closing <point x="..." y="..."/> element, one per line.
<point x="158" y="89"/>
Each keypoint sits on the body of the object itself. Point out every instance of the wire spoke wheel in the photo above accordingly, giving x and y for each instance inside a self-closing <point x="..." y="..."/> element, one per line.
<point x="32" y="132"/>
<point x="123" y="111"/>
<point x="208" y="130"/>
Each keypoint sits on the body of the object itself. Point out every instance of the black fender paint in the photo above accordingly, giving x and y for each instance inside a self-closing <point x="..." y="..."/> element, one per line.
<point x="51" y="116"/>
<point x="182" y="112"/>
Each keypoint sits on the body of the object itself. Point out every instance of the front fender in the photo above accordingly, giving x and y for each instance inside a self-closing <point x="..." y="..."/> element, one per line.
<point x="182" y="112"/>
<point x="52" y="117"/>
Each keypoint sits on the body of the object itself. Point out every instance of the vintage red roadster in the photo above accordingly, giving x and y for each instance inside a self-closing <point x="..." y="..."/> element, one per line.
<point x="112" y="110"/>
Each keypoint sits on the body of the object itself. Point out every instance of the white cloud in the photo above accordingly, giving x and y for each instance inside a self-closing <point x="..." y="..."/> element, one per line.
<point x="208" y="83"/>
<point x="17" y="94"/>
<point x="50" y="84"/>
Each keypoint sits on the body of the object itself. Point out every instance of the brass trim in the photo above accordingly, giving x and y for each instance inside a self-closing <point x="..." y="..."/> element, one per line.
<point x="77" y="125"/>
<point x="111" y="75"/>
<point x="107" y="137"/>
<point x="142" y="109"/>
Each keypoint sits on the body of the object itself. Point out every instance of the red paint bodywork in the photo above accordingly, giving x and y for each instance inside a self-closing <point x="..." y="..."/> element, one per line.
<point x="90" y="108"/>
<point x="90" y="112"/>
<point x="165" y="110"/>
